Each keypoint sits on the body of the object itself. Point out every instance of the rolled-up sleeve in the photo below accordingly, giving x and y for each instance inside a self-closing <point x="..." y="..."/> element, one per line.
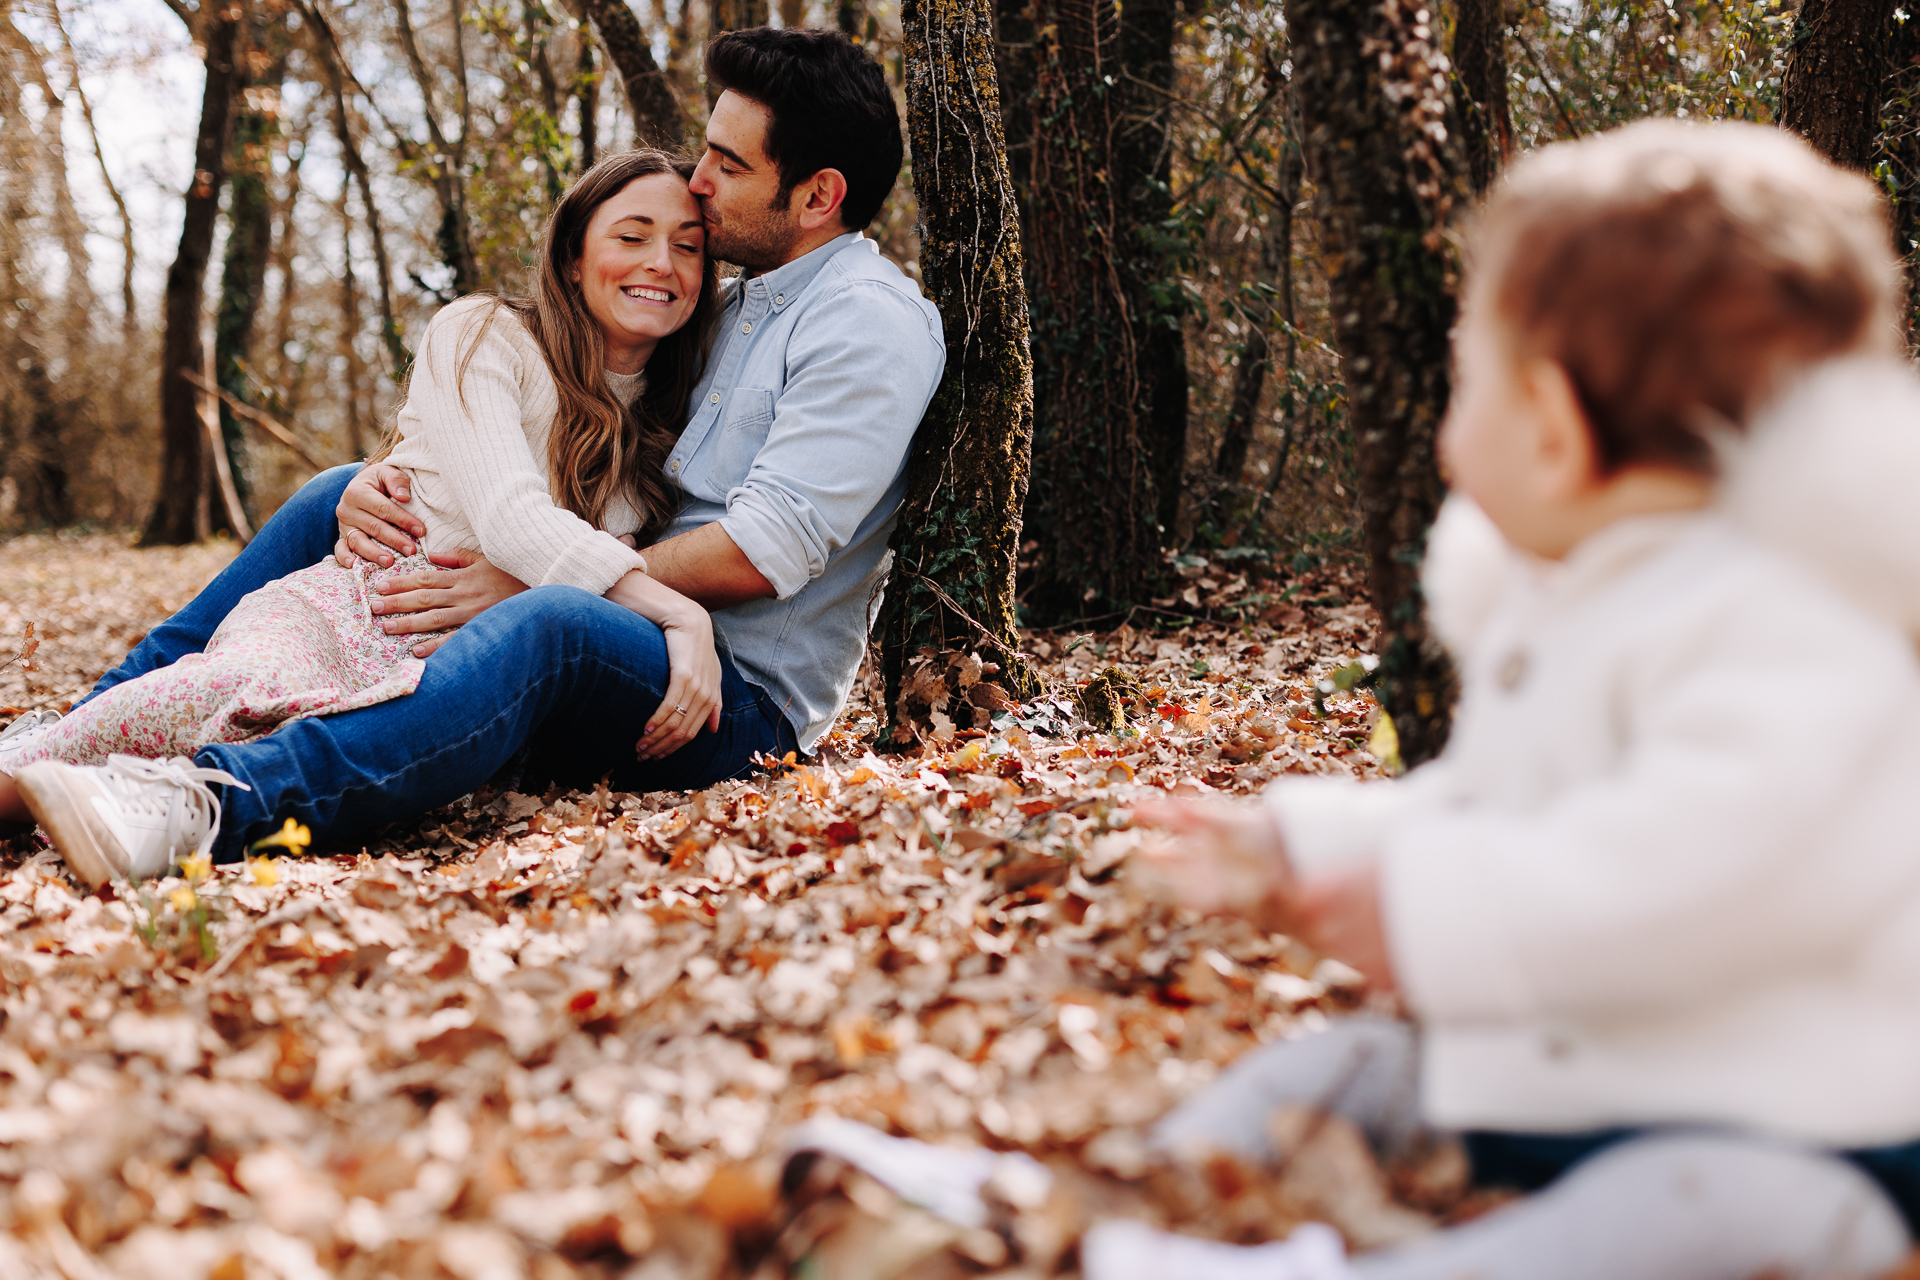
<point x="861" y="370"/>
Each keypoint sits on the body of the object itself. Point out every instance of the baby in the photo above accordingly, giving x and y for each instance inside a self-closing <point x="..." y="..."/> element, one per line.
<point x="1655" y="912"/>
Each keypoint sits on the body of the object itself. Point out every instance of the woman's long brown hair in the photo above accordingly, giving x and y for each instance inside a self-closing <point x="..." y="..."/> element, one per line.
<point x="598" y="450"/>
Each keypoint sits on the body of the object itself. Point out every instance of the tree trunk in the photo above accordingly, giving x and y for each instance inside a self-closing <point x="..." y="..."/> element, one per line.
<point x="587" y="94"/>
<point x="1837" y="66"/>
<point x="1899" y="147"/>
<point x="657" y="121"/>
<point x="327" y="48"/>
<point x="739" y="15"/>
<point x="1365" y="80"/>
<point x="959" y="530"/>
<point x="243" y="272"/>
<point x="1110" y="385"/>
<point x="179" y="514"/>
<point x="1256" y="360"/>
<point x="446" y="169"/>
<point x="1480" y="85"/>
<point x="350" y="332"/>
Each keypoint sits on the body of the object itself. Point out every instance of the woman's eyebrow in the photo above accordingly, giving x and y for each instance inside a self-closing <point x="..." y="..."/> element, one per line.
<point x="633" y="217"/>
<point x="689" y="226"/>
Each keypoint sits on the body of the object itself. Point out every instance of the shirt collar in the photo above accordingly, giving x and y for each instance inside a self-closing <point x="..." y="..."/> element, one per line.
<point x="783" y="284"/>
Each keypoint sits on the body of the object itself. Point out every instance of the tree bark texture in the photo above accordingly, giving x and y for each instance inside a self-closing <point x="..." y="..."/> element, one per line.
<point x="1480" y="82"/>
<point x="179" y="515"/>
<point x="657" y="121"/>
<point x="958" y="534"/>
<point x="1109" y="356"/>
<point x="1373" y="104"/>
<point x="243" y="271"/>
<point x="1837" y="65"/>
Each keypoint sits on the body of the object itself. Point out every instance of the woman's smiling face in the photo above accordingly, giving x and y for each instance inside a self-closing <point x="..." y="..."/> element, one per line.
<point x="641" y="266"/>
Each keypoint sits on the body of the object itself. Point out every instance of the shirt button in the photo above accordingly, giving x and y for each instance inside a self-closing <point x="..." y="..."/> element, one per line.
<point x="714" y="398"/>
<point x="674" y="467"/>
<point x="779" y="297"/>
<point x="747" y="327"/>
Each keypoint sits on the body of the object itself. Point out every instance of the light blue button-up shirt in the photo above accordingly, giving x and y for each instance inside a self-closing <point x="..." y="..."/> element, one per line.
<point x="796" y="442"/>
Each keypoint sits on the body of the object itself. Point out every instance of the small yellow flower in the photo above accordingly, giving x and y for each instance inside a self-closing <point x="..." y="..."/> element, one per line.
<point x="292" y="836"/>
<point x="266" y="871"/>
<point x="197" y="868"/>
<point x="183" y="899"/>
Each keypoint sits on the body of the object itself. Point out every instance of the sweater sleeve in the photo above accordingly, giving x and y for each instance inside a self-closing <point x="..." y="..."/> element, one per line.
<point x="473" y="425"/>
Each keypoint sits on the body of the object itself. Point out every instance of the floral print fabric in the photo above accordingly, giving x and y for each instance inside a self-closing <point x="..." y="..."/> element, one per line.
<point x="306" y="645"/>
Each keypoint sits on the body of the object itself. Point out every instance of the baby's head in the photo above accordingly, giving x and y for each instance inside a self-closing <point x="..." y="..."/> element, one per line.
<point x="1632" y="296"/>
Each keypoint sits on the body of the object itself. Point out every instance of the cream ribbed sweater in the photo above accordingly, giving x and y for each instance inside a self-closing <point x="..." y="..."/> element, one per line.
<point x="476" y="447"/>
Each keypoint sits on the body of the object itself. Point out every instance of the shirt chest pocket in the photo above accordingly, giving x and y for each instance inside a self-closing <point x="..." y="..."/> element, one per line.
<point x="743" y="430"/>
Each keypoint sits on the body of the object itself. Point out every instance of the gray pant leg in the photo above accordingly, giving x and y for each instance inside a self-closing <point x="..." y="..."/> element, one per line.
<point x="1673" y="1208"/>
<point x="1363" y="1069"/>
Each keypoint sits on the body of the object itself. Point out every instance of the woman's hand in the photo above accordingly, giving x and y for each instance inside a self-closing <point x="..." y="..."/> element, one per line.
<point x="372" y="519"/>
<point x="465" y="585"/>
<point x="1226" y="857"/>
<point x="692" y="700"/>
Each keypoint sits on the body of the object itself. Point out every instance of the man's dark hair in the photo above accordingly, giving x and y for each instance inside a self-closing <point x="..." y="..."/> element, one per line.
<point x="830" y="108"/>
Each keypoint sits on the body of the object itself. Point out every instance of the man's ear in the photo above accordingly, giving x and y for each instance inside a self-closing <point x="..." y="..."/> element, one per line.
<point x="1563" y="441"/>
<point x="816" y="202"/>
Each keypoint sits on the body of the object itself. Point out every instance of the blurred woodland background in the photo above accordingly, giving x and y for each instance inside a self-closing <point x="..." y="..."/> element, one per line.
<point x="339" y="169"/>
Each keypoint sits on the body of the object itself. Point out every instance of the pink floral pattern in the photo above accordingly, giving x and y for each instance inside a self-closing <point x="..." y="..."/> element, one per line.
<point x="306" y="645"/>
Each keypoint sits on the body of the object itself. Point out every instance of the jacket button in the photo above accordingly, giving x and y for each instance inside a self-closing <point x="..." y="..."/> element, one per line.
<point x="1512" y="671"/>
<point x="714" y="398"/>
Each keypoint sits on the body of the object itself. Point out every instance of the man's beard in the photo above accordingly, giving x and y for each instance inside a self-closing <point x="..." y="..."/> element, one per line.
<point x="756" y="244"/>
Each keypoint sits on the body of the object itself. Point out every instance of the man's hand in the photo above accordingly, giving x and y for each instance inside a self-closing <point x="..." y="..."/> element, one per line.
<point x="440" y="599"/>
<point x="372" y="520"/>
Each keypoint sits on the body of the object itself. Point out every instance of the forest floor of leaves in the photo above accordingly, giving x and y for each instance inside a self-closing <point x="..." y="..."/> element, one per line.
<point x="564" y="1035"/>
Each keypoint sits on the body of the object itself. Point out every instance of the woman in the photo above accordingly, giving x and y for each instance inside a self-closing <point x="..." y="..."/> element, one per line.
<point x="534" y="431"/>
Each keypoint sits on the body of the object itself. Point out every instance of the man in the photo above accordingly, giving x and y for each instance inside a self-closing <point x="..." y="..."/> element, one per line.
<point x="792" y="465"/>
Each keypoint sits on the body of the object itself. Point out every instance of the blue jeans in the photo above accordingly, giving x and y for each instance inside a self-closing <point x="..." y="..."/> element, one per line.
<point x="567" y="674"/>
<point x="1531" y="1161"/>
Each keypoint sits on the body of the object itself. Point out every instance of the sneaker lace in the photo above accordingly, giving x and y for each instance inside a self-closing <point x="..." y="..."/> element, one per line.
<point x="28" y="723"/>
<point x="177" y="789"/>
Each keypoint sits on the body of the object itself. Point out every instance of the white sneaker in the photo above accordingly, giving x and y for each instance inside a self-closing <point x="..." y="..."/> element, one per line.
<point x="128" y="819"/>
<point x="25" y="730"/>
<point x="1121" y="1249"/>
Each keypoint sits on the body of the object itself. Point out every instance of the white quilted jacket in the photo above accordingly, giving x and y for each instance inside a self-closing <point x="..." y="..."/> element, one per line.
<point x="1668" y="868"/>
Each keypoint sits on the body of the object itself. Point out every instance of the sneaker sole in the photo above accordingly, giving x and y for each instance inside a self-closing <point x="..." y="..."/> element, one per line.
<point x="66" y="818"/>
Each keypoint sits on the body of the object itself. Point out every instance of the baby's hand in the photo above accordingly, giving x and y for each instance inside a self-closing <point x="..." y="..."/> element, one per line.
<point x="1225" y="856"/>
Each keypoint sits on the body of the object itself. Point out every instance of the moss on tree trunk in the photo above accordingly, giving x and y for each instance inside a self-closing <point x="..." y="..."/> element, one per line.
<point x="1109" y="355"/>
<point x="1373" y="105"/>
<point x="959" y="529"/>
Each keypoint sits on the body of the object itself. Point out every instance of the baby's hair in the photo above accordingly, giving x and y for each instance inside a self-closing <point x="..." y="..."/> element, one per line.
<point x="1680" y="273"/>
